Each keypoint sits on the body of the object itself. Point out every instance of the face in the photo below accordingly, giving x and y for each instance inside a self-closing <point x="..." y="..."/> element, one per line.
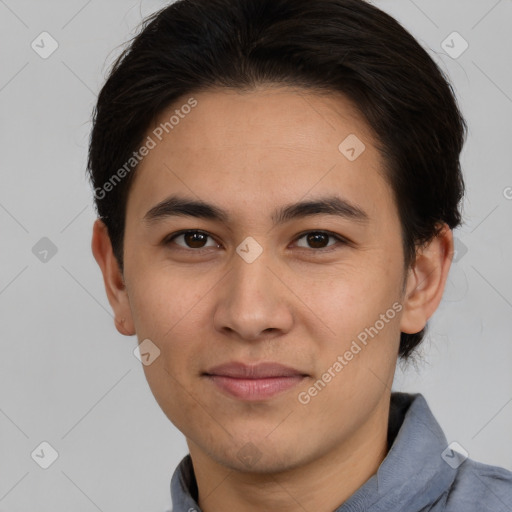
<point x="255" y="280"/>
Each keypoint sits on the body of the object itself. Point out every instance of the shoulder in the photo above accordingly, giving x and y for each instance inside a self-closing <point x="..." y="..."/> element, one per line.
<point x="480" y="487"/>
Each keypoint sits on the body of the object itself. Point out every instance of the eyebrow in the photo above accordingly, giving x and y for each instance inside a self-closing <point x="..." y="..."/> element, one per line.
<point x="176" y="205"/>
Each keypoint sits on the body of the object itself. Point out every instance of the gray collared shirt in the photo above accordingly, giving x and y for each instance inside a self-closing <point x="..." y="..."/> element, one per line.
<point x="420" y="472"/>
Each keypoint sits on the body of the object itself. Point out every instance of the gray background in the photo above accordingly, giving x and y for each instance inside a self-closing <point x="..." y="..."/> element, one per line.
<point x="67" y="377"/>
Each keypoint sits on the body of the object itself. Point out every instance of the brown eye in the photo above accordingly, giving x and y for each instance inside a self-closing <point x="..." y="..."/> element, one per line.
<point x="318" y="240"/>
<point x="192" y="240"/>
<point x="195" y="240"/>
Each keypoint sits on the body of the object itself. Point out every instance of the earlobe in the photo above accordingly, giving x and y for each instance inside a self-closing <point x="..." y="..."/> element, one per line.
<point x="120" y="326"/>
<point x="426" y="280"/>
<point x="112" y="277"/>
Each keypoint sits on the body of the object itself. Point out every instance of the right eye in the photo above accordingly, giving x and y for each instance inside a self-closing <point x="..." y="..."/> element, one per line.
<point x="190" y="239"/>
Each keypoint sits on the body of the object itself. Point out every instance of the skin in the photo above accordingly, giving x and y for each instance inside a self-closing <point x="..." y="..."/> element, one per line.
<point x="297" y="304"/>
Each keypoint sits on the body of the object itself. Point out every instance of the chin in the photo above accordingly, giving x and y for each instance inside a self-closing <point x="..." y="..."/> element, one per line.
<point x="259" y="457"/>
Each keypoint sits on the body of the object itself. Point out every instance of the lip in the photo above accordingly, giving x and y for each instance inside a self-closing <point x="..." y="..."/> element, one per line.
<point x="255" y="371"/>
<point x="254" y="382"/>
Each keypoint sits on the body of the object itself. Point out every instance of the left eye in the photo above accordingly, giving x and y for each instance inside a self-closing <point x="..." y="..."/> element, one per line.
<point x="317" y="239"/>
<point x="194" y="239"/>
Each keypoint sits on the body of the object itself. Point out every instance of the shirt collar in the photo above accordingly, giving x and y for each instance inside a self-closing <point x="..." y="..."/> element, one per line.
<point x="412" y="476"/>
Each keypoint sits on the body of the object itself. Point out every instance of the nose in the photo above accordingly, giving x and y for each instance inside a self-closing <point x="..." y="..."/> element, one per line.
<point x="253" y="303"/>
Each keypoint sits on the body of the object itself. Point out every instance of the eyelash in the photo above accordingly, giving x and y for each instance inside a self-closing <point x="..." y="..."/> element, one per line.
<point x="341" y="240"/>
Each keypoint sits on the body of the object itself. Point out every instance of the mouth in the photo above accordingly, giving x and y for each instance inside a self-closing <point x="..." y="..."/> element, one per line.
<point x="254" y="382"/>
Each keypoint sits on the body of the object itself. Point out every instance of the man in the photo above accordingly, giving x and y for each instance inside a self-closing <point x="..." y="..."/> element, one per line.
<point x="277" y="182"/>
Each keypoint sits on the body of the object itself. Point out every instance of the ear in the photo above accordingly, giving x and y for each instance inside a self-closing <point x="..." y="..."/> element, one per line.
<point x="113" y="278"/>
<point x="426" y="280"/>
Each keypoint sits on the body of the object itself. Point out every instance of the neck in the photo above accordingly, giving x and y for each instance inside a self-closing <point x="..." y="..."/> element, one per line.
<point x="321" y="484"/>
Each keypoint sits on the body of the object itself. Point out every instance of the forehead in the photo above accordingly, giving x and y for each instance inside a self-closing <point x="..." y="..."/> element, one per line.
<point x="276" y="116"/>
<point x="278" y="143"/>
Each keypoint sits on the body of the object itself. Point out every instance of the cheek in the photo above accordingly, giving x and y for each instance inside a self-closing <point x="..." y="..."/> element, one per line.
<point x="161" y="301"/>
<point x="173" y="393"/>
<point x="349" y="298"/>
<point x="360" y="310"/>
<point x="166" y="310"/>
